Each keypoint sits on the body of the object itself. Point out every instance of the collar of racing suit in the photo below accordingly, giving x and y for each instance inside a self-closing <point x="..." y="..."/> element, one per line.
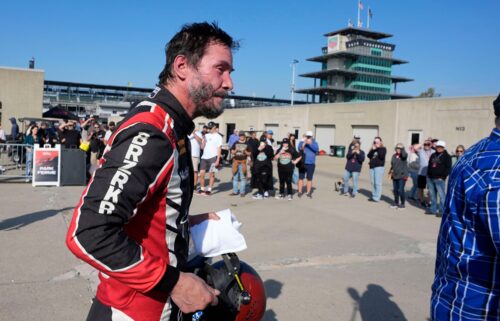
<point x="173" y="107"/>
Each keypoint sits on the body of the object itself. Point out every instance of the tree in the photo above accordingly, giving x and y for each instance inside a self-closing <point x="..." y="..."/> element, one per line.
<point x="431" y="92"/>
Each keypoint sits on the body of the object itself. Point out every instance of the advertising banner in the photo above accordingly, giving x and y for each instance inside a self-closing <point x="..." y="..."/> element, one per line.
<point x="47" y="166"/>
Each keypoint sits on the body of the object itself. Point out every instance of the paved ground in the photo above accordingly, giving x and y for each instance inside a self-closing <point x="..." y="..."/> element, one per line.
<point x="330" y="258"/>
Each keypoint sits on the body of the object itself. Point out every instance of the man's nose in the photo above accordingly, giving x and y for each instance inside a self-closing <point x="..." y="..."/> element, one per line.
<point x="227" y="83"/>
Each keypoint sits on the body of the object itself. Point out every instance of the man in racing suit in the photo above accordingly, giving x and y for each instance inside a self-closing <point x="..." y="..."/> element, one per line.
<point x="132" y="221"/>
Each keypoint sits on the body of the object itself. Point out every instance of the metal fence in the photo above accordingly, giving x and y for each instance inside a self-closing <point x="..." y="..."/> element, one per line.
<point x="13" y="158"/>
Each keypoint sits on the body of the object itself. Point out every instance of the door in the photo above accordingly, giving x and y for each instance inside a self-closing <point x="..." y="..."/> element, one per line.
<point x="366" y="135"/>
<point x="325" y="136"/>
<point x="230" y="127"/>
<point x="414" y="137"/>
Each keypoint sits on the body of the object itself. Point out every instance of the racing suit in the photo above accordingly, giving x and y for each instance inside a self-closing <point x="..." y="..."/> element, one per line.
<point x="131" y="222"/>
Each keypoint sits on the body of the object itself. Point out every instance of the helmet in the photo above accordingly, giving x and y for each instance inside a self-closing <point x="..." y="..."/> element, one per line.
<point x="242" y="298"/>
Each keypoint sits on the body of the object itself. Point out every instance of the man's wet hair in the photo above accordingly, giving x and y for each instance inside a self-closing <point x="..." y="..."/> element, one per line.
<point x="192" y="41"/>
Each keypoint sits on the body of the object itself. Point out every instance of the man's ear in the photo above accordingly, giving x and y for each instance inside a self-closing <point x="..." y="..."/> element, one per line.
<point x="181" y="67"/>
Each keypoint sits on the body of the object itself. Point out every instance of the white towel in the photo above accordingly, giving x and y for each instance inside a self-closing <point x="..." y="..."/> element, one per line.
<point x="212" y="238"/>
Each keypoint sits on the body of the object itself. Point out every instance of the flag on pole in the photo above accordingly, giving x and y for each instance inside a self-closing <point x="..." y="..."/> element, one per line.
<point x="360" y="4"/>
<point x="370" y="13"/>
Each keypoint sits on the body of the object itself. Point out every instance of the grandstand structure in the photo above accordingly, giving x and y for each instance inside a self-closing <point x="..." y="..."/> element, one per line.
<point x="107" y="101"/>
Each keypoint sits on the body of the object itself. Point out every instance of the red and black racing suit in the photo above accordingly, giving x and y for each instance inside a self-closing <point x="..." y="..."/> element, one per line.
<point x="131" y="223"/>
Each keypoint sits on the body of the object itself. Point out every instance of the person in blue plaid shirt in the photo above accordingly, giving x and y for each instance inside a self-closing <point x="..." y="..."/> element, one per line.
<point x="467" y="281"/>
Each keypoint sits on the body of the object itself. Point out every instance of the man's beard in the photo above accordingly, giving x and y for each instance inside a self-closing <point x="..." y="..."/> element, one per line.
<point x="202" y="97"/>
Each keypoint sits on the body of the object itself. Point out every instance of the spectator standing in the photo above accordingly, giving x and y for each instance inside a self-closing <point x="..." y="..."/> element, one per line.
<point x="109" y="132"/>
<point x="399" y="175"/>
<point x="14" y="131"/>
<point x="424" y="154"/>
<point x="355" y="158"/>
<point x="210" y="159"/>
<point x="413" y="168"/>
<point x="377" y="161"/>
<point x="31" y="139"/>
<point x="96" y="144"/>
<point x="438" y="171"/>
<point x="309" y="148"/>
<point x="195" y="139"/>
<point x="293" y="141"/>
<point x="233" y="138"/>
<point x="3" y="139"/>
<point x="459" y="152"/>
<point x="467" y="271"/>
<point x="263" y="166"/>
<point x="253" y="143"/>
<point x="70" y="137"/>
<point x="240" y="151"/>
<point x="287" y="158"/>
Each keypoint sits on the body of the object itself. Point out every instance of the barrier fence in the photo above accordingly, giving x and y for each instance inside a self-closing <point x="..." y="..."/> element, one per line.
<point x="13" y="158"/>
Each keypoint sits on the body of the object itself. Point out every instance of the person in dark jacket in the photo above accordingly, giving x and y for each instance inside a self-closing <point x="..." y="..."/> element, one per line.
<point x="14" y="131"/>
<point x="437" y="172"/>
<point x="377" y="162"/>
<point x="399" y="175"/>
<point x="355" y="158"/>
<point x="262" y="166"/>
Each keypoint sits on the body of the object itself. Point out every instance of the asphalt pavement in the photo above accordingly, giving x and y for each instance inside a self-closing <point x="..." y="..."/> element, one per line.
<point x="327" y="258"/>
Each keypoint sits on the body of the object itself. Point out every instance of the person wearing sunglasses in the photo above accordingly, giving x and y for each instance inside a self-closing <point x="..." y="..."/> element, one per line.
<point x="424" y="154"/>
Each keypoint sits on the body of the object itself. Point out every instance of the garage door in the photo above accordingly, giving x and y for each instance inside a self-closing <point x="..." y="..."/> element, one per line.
<point x="325" y="136"/>
<point x="366" y="133"/>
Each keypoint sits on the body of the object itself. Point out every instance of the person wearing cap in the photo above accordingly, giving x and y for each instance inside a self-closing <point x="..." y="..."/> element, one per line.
<point x="424" y="154"/>
<point x="399" y="175"/>
<point x="269" y="136"/>
<point x="240" y="151"/>
<point x="309" y="148"/>
<point x="109" y="132"/>
<point x="438" y="170"/>
<point x="467" y="271"/>
<point x="355" y="158"/>
<point x="287" y="158"/>
<point x="210" y="159"/>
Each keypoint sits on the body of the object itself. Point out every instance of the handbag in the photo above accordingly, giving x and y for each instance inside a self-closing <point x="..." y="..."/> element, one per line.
<point x="85" y="146"/>
<point x="295" y="175"/>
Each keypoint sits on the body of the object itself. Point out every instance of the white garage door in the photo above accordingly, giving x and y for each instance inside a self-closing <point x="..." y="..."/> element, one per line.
<point x="325" y="136"/>
<point x="367" y="134"/>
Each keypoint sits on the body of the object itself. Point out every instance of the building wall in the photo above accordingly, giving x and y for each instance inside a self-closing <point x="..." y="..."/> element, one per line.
<point x="462" y="120"/>
<point x="21" y="94"/>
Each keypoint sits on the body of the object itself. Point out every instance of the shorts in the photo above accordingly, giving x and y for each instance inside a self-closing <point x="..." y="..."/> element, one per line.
<point x="308" y="172"/>
<point x="207" y="164"/>
<point x="196" y="163"/>
<point x="422" y="181"/>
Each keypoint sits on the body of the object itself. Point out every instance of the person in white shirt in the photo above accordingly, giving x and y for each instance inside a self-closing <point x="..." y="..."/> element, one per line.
<point x="210" y="159"/>
<point x="109" y="132"/>
<point x="195" y="139"/>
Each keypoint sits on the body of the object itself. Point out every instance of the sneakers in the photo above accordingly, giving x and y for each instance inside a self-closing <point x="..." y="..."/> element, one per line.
<point x="299" y="195"/>
<point x="207" y="193"/>
<point x="242" y="195"/>
<point x="346" y="194"/>
<point x="278" y="197"/>
<point x="234" y="194"/>
<point x="266" y="195"/>
<point x="401" y="207"/>
<point x="257" y="197"/>
<point x="309" y="195"/>
<point x="289" y="197"/>
<point x="394" y="206"/>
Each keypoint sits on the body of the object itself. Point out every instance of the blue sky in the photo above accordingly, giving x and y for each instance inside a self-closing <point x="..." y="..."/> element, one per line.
<point x="451" y="45"/>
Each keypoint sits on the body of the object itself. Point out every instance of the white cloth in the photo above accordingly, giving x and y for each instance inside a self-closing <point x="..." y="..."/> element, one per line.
<point x="107" y="136"/>
<point x="195" y="146"/>
<point x="214" y="141"/>
<point x="212" y="238"/>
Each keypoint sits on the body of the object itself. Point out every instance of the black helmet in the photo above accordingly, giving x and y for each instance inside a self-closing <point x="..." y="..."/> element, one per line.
<point x="242" y="297"/>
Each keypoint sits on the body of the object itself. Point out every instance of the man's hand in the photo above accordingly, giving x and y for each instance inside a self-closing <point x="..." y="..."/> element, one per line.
<point x="192" y="294"/>
<point x="197" y="219"/>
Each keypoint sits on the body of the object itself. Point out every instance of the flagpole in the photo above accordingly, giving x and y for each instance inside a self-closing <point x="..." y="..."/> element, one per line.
<point x="359" y="13"/>
<point x="368" y="18"/>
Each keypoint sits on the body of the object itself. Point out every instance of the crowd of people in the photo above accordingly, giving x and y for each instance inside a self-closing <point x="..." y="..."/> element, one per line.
<point x="88" y="134"/>
<point x="428" y="165"/>
<point x="252" y="159"/>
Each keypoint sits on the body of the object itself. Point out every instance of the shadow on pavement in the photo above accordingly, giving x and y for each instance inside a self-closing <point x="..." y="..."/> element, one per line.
<point x="18" y="222"/>
<point x="375" y="305"/>
<point x="368" y="195"/>
<point x="273" y="290"/>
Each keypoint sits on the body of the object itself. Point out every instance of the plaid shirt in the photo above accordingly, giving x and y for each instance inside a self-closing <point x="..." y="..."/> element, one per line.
<point x="467" y="281"/>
